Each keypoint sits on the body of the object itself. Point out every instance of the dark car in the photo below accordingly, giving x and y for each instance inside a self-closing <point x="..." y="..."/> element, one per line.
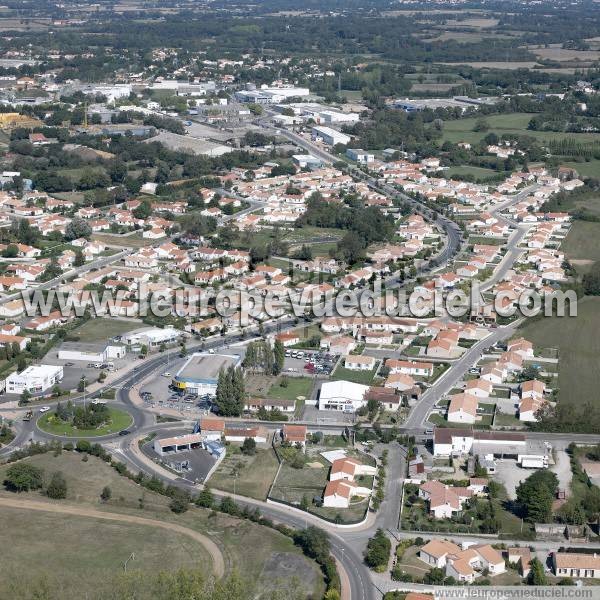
<point x="124" y="432"/>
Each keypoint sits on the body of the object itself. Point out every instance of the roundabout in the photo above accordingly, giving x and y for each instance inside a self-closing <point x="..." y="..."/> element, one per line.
<point x="116" y="421"/>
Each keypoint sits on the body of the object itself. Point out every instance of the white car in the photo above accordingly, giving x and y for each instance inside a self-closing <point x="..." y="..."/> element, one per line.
<point x="166" y="374"/>
<point x="44" y="409"/>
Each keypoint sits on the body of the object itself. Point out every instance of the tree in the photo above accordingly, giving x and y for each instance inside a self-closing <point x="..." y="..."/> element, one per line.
<point x="434" y="576"/>
<point x="79" y="260"/>
<point x="77" y="228"/>
<point x="278" y="357"/>
<point x="249" y="447"/>
<point x="106" y="494"/>
<point x="144" y="210"/>
<point x="205" y="498"/>
<point x="230" y="392"/>
<point x="57" y="488"/>
<point x="23" y="477"/>
<point x="377" y="554"/>
<point x="535" y="496"/>
<point x="536" y="573"/>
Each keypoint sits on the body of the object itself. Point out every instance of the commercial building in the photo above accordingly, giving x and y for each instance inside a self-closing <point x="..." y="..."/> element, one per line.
<point x="200" y="372"/>
<point x="307" y="161"/>
<point x="89" y="352"/>
<point x="179" y="443"/>
<point x="271" y="95"/>
<point x="36" y="379"/>
<point x="329" y="136"/>
<point x="489" y="445"/>
<point x="152" y="337"/>
<point x="360" y="156"/>
<point x="342" y="395"/>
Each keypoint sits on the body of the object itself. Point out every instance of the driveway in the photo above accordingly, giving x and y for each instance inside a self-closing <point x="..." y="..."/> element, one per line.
<point x="562" y="468"/>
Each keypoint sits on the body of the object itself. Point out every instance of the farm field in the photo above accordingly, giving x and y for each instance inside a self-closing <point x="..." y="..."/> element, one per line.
<point x="461" y="130"/>
<point x="579" y="346"/>
<point x="98" y="330"/>
<point x="96" y="548"/>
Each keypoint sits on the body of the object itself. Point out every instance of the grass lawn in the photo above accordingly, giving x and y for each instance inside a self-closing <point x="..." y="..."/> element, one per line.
<point x="119" y="419"/>
<point x="579" y="346"/>
<point x="253" y="475"/>
<point x="296" y="386"/>
<point x="506" y="420"/>
<point x="100" y="330"/>
<point x="364" y="377"/>
<point x="83" y="558"/>
<point x="461" y="130"/>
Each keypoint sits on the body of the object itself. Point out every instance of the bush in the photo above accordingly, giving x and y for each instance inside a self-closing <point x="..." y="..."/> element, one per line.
<point x="22" y="477"/>
<point x="249" y="447"/>
<point x="180" y="501"/>
<point x="106" y="494"/>
<point x="57" y="488"/>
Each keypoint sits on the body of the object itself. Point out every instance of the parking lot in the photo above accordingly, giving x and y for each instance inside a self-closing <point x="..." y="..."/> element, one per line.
<point x="309" y="362"/>
<point x="73" y="371"/>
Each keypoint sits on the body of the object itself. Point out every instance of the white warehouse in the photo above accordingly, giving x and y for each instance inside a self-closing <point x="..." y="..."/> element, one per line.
<point x="36" y="379"/>
<point x="329" y="136"/>
<point x="342" y="395"/>
<point x="79" y="351"/>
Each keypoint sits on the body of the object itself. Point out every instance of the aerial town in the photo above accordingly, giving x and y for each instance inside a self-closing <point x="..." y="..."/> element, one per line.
<point x="322" y="282"/>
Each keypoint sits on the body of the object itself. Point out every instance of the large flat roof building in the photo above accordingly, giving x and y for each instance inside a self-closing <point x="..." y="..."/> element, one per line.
<point x="200" y="372"/>
<point x="330" y="136"/>
<point x="342" y="395"/>
<point x="36" y="379"/>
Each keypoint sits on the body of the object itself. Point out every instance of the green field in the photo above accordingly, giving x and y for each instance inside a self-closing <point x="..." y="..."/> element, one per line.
<point x="461" y="130"/>
<point x="582" y="243"/>
<point x="100" y="330"/>
<point x="296" y="386"/>
<point x="578" y="343"/>
<point x="478" y="172"/>
<point x="252" y="475"/>
<point x="364" y="377"/>
<point x="72" y="557"/>
<point x="587" y="168"/>
<point x="119" y="419"/>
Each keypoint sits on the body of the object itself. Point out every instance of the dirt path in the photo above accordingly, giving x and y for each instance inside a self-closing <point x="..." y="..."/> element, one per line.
<point x="207" y="543"/>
